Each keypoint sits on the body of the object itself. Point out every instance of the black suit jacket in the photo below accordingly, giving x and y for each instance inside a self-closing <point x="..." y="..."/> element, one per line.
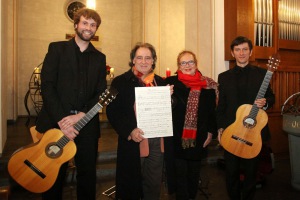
<point x="59" y="85"/>
<point x="229" y="99"/>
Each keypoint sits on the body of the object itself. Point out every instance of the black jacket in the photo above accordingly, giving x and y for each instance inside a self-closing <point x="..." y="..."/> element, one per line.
<point x="206" y="120"/>
<point x="230" y="99"/>
<point x="60" y="93"/>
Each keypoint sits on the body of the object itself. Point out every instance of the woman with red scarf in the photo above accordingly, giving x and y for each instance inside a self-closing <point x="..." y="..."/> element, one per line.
<point x="139" y="160"/>
<point x="193" y="112"/>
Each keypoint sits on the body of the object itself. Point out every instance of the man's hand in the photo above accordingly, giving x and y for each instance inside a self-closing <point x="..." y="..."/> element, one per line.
<point x="260" y="102"/>
<point x="220" y="132"/>
<point x="136" y="135"/>
<point x="70" y="132"/>
<point x="70" y="120"/>
<point x="66" y="125"/>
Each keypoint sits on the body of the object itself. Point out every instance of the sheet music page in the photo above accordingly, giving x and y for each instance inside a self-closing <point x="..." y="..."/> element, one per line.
<point x="154" y="111"/>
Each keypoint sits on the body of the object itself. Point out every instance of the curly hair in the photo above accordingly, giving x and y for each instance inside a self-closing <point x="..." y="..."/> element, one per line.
<point x="88" y="14"/>
<point x="143" y="45"/>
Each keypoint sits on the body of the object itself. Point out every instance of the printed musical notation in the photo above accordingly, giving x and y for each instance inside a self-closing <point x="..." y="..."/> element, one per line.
<point x="153" y="111"/>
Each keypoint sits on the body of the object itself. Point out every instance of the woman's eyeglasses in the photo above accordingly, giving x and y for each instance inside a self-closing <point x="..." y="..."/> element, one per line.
<point x="185" y="63"/>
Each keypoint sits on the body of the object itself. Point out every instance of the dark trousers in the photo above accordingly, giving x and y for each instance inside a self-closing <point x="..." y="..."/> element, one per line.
<point x="187" y="175"/>
<point x="235" y="167"/>
<point x="169" y="157"/>
<point x="85" y="161"/>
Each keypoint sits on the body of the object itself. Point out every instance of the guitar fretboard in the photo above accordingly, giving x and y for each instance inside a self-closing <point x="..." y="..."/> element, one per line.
<point x="105" y="99"/>
<point x="88" y="116"/>
<point x="261" y="93"/>
<point x="80" y="124"/>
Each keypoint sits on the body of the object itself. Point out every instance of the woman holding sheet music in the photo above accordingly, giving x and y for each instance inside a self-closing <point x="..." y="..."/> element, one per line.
<point x="139" y="160"/>
<point x="194" y="102"/>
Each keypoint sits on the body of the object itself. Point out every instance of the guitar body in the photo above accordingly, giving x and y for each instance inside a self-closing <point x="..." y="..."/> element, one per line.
<point x="241" y="138"/>
<point x="35" y="167"/>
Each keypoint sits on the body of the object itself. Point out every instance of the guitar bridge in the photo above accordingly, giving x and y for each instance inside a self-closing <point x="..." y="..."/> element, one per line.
<point x="35" y="169"/>
<point x="242" y="140"/>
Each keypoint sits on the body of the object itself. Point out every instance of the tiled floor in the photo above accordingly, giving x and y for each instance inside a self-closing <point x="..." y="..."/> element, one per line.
<point x="276" y="186"/>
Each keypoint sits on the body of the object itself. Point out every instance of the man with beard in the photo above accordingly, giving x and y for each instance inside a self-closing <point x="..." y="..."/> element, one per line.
<point x="73" y="77"/>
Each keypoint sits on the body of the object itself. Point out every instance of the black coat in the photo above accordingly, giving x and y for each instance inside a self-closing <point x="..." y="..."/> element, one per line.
<point x="60" y="93"/>
<point x="230" y="99"/>
<point x="206" y="120"/>
<point x="121" y="115"/>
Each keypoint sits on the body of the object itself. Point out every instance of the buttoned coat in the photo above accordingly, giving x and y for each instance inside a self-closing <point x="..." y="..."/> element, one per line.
<point x="122" y="117"/>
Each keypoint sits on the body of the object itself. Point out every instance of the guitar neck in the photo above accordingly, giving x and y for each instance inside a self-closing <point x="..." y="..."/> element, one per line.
<point x="264" y="85"/>
<point x="87" y="117"/>
<point x="261" y="93"/>
<point x="105" y="99"/>
<point x="80" y="124"/>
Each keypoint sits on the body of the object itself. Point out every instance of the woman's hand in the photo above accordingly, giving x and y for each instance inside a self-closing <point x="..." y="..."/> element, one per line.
<point x="208" y="139"/>
<point x="171" y="89"/>
<point x="136" y="135"/>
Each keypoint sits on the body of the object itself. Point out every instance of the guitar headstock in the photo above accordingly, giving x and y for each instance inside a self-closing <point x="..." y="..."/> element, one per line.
<point x="107" y="96"/>
<point x="273" y="62"/>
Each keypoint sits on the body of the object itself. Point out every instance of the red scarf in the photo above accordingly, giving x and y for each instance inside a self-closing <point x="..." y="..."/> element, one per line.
<point x="196" y="83"/>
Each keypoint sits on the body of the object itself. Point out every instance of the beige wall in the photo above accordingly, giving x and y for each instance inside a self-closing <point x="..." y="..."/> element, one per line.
<point x="124" y="23"/>
<point x="3" y="134"/>
<point x="164" y="28"/>
<point x="38" y="27"/>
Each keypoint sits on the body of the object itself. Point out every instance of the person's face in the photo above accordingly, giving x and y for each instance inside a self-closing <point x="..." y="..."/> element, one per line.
<point x="86" y="28"/>
<point x="143" y="60"/>
<point x="241" y="53"/>
<point x="187" y="64"/>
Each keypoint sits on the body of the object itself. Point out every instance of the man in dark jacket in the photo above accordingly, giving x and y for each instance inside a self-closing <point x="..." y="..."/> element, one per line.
<point x="73" y="77"/>
<point x="139" y="160"/>
<point x="237" y="86"/>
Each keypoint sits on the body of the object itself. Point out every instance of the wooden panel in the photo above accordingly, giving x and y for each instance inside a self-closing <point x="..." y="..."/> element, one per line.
<point x="289" y="44"/>
<point x="263" y="52"/>
<point x="279" y="139"/>
<point x="230" y="25"/>
<point x="284" y="84"/>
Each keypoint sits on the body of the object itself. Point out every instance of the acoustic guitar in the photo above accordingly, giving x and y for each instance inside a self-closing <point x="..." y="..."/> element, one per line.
<point x="35" y="167"/>
<point x="243" y="137"/>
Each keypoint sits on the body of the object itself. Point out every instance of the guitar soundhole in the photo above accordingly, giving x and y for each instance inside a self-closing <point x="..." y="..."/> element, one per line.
<point x="249" y="122"/>
<point x="53" y="151"/>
